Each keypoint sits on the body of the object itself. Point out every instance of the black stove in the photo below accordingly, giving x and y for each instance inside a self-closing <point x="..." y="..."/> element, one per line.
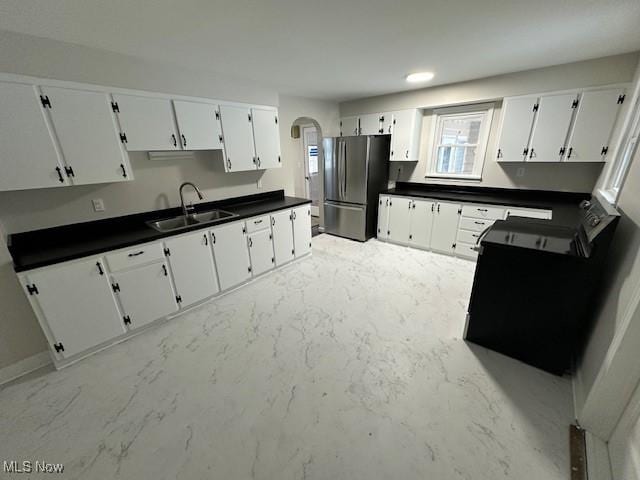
<point x="534" y="284"/>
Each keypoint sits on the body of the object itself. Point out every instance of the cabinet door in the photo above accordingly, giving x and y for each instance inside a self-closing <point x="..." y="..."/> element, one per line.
<point x="383" y="216"/>
<point x="266" y="134"/>
<point x="231" y="255"/>
<point x="199" y="125"/>
<point x="145" y="293"/>
<point x="147" y="122"/>
<point x="301" y="230"/>
<point x="282" y="229"/>
<point x="386" y="123"/>
<point x="192" y="267"/>
<point x="77" y="304"/>
<point x="238" y="138"/>
<point x="421" y="224"/>
<point x="405" y="136"/>
<point x="517" y="121"/>
<point x="261" y="251"/>
<point x="550" y="129"/>
<point x="28" y="156"/>
<point x="86" y="127"/>
<point x="370" y="124"/>
<point x="595" y="117"/>
<point x="348" y="126"/>
<point x="445" y="226"/>
<point x="399" y="211"/>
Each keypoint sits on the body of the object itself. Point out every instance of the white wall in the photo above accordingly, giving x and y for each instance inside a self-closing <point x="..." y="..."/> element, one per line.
<point x="565" y="177"/>
<point x="156" y="181"/>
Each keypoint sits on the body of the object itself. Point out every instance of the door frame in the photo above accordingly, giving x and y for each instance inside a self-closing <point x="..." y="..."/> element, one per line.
<point x="315" y="210"/>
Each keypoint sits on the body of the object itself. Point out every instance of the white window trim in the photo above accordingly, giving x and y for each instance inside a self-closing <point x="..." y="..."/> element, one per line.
<point x="483" y="141"/>
<point x="625" y="152"/>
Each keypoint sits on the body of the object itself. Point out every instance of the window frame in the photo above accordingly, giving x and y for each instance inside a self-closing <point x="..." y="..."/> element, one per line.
<point x="625" y="152"/>
<point x="437" y="122"/>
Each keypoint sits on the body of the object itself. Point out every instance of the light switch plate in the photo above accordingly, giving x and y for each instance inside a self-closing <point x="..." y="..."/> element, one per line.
<point x="98" y="205"/>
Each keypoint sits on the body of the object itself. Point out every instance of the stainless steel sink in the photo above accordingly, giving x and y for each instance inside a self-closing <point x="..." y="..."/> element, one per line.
<point x="185" y="221"/>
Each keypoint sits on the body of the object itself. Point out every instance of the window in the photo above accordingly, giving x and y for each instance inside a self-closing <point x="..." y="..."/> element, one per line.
<point x="459" y="141"/>
<point x="625" y="153"/>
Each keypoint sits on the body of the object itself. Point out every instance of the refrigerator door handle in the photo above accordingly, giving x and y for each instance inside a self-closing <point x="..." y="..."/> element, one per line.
<point x="344" y="172"/>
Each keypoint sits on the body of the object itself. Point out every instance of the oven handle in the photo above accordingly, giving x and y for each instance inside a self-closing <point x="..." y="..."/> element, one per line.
<point x="484" y="232"/>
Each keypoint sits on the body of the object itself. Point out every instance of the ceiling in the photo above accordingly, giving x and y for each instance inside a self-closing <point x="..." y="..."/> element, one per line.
<point x="339" y="49"/>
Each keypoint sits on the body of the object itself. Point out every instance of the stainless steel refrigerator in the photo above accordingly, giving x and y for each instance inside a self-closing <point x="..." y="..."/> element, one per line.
<point x="356" y="170"/>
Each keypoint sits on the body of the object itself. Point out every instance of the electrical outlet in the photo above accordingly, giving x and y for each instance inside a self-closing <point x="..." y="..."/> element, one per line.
<point x="520" y="172"/>
<point x="98" y="205"/>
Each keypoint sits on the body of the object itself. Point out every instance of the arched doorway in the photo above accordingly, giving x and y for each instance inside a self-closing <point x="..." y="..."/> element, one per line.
<point x="309" y="179"/>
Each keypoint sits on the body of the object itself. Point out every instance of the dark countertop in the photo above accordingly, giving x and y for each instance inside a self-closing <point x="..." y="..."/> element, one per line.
<point x="39" y="248"/>
<point x="564" y="205"/>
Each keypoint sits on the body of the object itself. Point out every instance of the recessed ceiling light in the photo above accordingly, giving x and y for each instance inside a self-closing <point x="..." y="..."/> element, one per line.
<point x="419" y="77"/>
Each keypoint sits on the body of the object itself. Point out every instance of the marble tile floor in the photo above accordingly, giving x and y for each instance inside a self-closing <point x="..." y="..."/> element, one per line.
<point x="345" y="365"/>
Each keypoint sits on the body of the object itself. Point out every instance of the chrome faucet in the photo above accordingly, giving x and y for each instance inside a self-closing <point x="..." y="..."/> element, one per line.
<point x="189" y="208"/>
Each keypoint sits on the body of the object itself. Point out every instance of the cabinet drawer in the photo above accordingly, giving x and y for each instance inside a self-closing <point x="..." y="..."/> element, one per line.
<point x="529" y="213"/>
<point x="475" y="224"/>
<point x="479" y="211"/>
<point x="258" y="223"/>
<point x="135" y="256"/>
<point x="468" y="236"/>
<point x="466" y="251"/>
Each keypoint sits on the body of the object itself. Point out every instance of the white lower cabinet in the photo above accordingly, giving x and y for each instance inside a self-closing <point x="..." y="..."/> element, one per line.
<point x="145" y="294"/>
<point x="191" y="261"/>
<point x="383" y="217"/>
<point x="86" y="303"/>
<point x="301" y="230"/>
<point x="442" y="226"/>
<point x="445" y="226"/>
<point x="399" y="212"/>
<point x="231" y="255"/>
<point x="261" y="251"/>
<point x="422" y="212"/>
<point x="282" y="231"/>
<point x="77" y="308"/>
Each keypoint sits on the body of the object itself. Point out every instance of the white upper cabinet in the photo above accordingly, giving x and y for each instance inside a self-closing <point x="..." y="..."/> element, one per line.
<point x="399" y="219"/>
<point x="231" y="254"/>
<point x="549" y="134"/>
<point x="386" y="123"/>
<point x="405" y="136"/>
<point x="349" y="126"/>
<point x="147" y="122"/>
<point x="595" y="118"/>
<point x="192" y="267"/>
<point x="517" y="120"/>
<point x="199" y="125"/>
<point x="238" y="138"/>
<point x="145" y="294"/>
<point x="370" y="124"/>
<point x="302" y="230"/>
<point x="28" y="153"/>
<point x="266" y="135"/>
<point x="445" y="226"/>
<point x="282" y="230"/>
<point x="86" y="128"/>
<point x="77" y="304"/>
<point x="422" y="212"/>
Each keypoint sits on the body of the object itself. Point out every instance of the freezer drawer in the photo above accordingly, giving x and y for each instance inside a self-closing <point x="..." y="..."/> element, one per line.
<point x="345" y="220"/>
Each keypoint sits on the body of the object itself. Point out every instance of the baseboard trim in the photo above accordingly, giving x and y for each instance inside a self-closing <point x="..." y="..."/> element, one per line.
<point x="24" y="366"/>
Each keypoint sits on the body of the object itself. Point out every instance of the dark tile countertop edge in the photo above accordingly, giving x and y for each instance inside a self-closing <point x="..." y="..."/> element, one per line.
<point x="564" y="205"/>
<point x="40" y="248"/>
